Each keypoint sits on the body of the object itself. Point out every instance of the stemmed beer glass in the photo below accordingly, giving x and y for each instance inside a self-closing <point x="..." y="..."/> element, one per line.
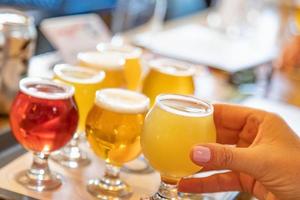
<point x="132" y="67"/>
<point x="43" y="119"/>
<point x="172" y="127"/>
<point x="168" y="76"/>
<point x="86" y="82"/>
<point x="111" y="63"/>
<point x="113" y="129"/>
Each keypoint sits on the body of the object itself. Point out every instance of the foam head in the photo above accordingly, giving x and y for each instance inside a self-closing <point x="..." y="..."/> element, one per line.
<point x="101" y="60"/>
<point x="187" y="106"/>
<point x="11" y="16"/>
<point x="127" y="51"/>
<point x="75" y="74"/>
<point x="45" y="89"/>
<point x="172" y="67"/>
<point x="122" y="101"/>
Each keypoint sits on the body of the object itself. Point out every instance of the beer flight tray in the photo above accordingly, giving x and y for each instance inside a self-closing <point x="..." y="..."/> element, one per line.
<point x="75" y="180"/>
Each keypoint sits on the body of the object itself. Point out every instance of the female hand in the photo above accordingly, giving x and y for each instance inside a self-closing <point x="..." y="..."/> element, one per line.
<point x="265" y="161"/>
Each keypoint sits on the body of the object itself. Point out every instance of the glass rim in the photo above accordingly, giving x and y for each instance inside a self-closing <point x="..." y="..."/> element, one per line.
<point x="105" y="58"/>
<point x="160" y="65"/>
<point x="68" y="89"/>
<point x="108" y="104"/>
<point x="26" y="21"/>
<point x="96" y="75"/>
<point x="129" y="51"/>
<point x="189" y="98"/>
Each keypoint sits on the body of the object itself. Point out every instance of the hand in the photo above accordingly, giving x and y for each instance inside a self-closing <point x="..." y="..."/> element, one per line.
<point x="265" y="161"/>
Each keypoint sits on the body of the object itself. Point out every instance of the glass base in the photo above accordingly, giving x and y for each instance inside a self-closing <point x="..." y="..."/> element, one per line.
<point x="156" y="196"/>
<point x="109" y="189"/>
<point x="71" y="155"/>
<point x="66" y="159"/>
<point x="181" y="196"/>
<point x="50" y="181"/>
<point x="194" y="196"/>
<point x="138" y="166"/>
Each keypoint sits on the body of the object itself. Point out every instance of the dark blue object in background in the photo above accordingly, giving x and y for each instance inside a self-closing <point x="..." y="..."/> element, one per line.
<point x="41" y="9"/>
<point x="179" y="8"/>
<point x="63" y="6"/>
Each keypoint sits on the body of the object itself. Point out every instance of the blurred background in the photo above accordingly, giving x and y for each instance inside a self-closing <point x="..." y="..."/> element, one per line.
<point x="246" y="51"/>
<point x="142" y="11"/>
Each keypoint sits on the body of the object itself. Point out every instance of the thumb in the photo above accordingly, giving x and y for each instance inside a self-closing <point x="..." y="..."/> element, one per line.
<point x="217" y="156"/>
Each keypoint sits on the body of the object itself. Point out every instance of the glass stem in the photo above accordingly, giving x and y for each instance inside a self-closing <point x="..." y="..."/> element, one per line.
<point x="72" y="149"/>
<point x="39" y="169"/>
<point x="166" y="191"/>
<point x="112" y="176"/>
<point x="75" y="140"/>
<point x="111" y="172"/>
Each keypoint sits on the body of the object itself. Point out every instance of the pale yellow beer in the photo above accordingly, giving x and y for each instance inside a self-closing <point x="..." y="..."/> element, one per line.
<point x="172" y="127"/>
<point x="132" y="67"/>
<point x="114" y="125"/>
<point x="168" y="76"/>
<point x="110" y="62"/>
<point x="86" y="82"/>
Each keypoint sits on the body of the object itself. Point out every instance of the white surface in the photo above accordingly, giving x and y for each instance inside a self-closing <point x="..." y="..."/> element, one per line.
<point x="72" y="34"/>
<point x="199" y="44"/>
<point x="290" y="114"/>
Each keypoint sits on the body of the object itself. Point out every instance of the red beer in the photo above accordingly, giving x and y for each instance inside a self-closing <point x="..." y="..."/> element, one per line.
<point x="43" y="118"/>
<point x="44" y="115"/>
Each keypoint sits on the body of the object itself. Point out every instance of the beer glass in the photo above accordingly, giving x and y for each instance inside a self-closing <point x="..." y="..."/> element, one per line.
<point x="86" y="82"/>
<point x="172" y="127"/>
<point x="43" y="119"/>
<point x="110" y="62"/>
<point x="168" y="76"/>
<point x="132" y="67"/>
<point x="17" y="45"/>
<point x="113" y="129"/>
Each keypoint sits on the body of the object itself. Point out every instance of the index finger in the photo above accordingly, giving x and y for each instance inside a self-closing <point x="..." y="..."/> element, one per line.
<point x="230" y="121"/>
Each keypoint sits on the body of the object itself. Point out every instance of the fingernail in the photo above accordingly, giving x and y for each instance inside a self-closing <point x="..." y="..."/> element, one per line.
<point x="201" y="154"/>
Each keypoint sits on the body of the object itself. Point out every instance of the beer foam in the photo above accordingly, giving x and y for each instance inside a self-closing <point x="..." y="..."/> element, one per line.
<point x="172" y="67"/>
<point x="12" y="17"/>
<point x="183" y="105"/>
<point x="45" y="88"/>
<point x="127" y="51"/>
<point x="76" y="74"/>
<point x="102" y="60"/>
<point x="122" y="101"/>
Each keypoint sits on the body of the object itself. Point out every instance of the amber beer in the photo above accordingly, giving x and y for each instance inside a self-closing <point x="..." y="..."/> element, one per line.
<point x="114" y="125"/>
<point x="168" y="76"/>
<point x="132" y="67"/>
<point x="111" y="63"/>
<point x="113" y="129"/>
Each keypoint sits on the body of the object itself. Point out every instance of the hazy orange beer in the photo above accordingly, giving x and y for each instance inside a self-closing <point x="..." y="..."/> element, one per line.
<point x="109" y="62"/>
<point x="168" y="76"/>
<point x="132" y="67"/>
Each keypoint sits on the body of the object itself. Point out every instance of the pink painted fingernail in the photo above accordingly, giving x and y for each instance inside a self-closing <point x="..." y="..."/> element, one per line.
<point x="201" y="154"/>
